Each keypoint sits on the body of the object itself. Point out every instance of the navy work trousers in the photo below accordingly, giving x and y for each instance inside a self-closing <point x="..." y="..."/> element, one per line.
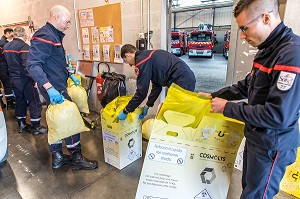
<point x="26" y="94"/>
<point x="263" y="170"/>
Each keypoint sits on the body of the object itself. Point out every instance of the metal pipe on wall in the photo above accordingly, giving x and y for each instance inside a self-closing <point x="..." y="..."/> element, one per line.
<point x="76" y="26"/>
<point x="142" y="16"/>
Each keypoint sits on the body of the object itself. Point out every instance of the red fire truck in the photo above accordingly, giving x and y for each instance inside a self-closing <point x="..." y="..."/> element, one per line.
<point x="178" y="42"/>
<point x="202" y="41"/>
<point x="226" y="44"/>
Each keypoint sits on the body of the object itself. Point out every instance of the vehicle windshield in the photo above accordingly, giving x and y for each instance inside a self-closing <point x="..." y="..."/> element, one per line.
<point x="201" y="37"/>
<point x="175" y="37"/>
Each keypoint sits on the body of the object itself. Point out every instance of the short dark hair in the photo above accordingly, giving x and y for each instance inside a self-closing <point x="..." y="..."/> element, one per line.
<point x="255" y="7"/>
<point x="6" y="30"/>
<point x="127" y="48"/>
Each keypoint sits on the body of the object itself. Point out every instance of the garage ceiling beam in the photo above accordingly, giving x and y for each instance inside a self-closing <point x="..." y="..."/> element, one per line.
<point x="206" y="6"/>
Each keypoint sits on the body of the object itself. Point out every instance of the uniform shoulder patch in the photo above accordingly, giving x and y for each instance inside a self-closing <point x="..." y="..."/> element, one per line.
<point x="285" y="80"/>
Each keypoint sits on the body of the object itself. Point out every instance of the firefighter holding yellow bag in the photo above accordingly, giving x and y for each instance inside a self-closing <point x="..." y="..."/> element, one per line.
<point x="47" y="66"/>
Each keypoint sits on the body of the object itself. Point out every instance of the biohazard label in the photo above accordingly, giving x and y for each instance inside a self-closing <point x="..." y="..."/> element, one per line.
<point x="203" y="195"/>
<point x="285" y="80"/>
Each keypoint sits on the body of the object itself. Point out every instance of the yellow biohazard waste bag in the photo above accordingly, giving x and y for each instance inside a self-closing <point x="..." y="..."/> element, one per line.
<point x="113" y="108"/>
<point x="63" y="120"/>
<point x="79" y="97"/>
<point x="147" y="128"/>
<point x="291" y="179"/>
<point x="186" y="107"/>
<point x="70" y="81"/>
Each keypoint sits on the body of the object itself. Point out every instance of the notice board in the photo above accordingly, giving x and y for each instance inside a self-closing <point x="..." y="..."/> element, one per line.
<point x="101" y="33"/>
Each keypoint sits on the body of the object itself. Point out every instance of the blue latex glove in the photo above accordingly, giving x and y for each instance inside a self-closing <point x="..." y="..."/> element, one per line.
<point x="122" y="116"/>
<point x="75" y="80"/>
<point x="55" y="96"/>
<point x="144" y="113"/>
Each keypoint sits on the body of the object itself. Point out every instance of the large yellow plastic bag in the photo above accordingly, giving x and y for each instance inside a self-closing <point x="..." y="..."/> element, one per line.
<point x="113" y="109"/>
<point x="179" y="100"/>
<point x="147" y="128"/>
<point x="186" y="115"/>
<point x="79" y="97"/>
<point x="63" y="121"/>
<point x="70" y="81"/>
<point x="291" y="179"/>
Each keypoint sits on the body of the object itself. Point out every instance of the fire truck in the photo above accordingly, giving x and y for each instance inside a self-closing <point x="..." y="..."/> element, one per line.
<point x="202" y="41"/>
<point x="226" y="44"/>
<point x="178" y="42"/>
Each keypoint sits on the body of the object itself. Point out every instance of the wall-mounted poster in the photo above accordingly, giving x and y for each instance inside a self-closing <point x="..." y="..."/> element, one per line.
<point x="95" y="35"/>
<point x="86" y="52"/>
<point x="106" y="53"/>
<point x="86" y="18"/>
<point x="106" y="34"/>
<point x="90" y="17"/>
<point x="96" y="52"/>
<point x="82" y="18"/>
<point x="117" y="54"/>
<point x="85" y="36"/>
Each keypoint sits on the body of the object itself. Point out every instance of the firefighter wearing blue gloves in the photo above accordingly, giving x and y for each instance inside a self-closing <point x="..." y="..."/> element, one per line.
<point x="159" y="67"/>
<point x="55" y="96"/>
<point x="123" y="114"/>
<point x="75" y="80"/>
<point x="47" y="66"/>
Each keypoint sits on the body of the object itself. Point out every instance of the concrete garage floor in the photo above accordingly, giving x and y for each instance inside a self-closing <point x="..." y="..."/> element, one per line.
<point x="28" y="173"/>
<point x="210" y="72"/>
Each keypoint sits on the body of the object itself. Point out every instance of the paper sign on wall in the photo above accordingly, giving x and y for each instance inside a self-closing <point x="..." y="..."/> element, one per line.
<point x="106" y="53"/>
<point x="86" y="52"/>
<point x="95" y="35"/>
<point x="106" y="34"/>
<point x="117" y="56"/>
<point x="85" y="36"/>
<point x="86" y="17"/>
<point x="96" y="52"/>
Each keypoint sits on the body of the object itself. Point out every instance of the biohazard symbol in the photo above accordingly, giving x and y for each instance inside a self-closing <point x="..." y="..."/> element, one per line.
<point x="131" y="143"/>
<point x="208" y="175"/>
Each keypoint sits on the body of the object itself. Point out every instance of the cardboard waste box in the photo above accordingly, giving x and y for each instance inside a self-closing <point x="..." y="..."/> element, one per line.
<point x="191" y="152"/>
<point x="122" y="140"/>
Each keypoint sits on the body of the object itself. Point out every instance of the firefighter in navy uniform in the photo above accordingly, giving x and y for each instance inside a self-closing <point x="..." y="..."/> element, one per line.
<point x="47" y="66"/>
<point x="159" y="67"/>
<point x="4" y="77"/>
<point x="272" y="89"/>
<point x="16" y="53"/>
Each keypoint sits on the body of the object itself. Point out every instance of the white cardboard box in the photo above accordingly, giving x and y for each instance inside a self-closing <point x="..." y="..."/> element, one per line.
<point x="193" y="164"/>
<point x="122" y="141"/>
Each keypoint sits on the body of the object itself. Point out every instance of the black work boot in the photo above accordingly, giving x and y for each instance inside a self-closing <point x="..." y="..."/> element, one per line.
<point x="79" y="162"/>
<point x="10" y="103"/>
<point x="39" y="130"/>
<point x="59" y="159"/>
<point x="23" y="127"/>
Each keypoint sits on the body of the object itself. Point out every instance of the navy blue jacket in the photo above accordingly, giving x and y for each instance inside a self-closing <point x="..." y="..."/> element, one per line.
<point x="3" y="41"/>
<point x="46" y="59"/>
<point x="273" y="92"/>
<point x="16" y="53"/>
<point x="162" y="69"/>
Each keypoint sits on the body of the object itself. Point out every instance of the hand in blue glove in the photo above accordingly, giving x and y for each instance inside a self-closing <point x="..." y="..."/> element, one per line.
<point x="144" y="113"/>
<point x="122" y="116"/>
<point x="75" y="80"/>
<point x="55" y="96"/>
